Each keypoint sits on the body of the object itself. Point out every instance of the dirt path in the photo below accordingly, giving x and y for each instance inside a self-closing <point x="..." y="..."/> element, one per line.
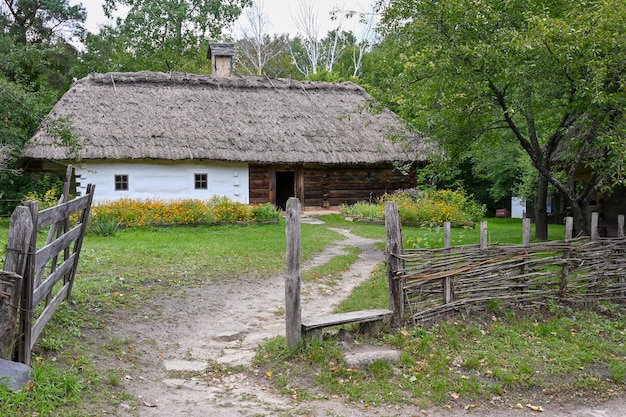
<point x="223" y="323"/>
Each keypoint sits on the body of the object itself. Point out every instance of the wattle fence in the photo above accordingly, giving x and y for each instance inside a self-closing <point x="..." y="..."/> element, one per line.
<point x="427" y="284"/>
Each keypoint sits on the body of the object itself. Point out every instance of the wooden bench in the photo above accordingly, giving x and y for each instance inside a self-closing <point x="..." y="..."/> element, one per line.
<point x="368" y="321"/>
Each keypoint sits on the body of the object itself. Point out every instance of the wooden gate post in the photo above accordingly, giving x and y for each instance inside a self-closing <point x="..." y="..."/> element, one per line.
<point x="394" y="263"/>
<point x="20" y="230"/>
<point x="293" y="313"/>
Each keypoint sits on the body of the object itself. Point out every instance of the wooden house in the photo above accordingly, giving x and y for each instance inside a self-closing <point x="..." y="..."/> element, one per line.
<point x="253" y="139"/>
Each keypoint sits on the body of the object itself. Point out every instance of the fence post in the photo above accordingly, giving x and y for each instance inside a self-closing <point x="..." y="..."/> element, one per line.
<point x="20" y="230"/>
<point x="483" y="235"/>
<point x="26" y="316"/>
<point x="293" y="313"/>
<point x="569" y="228"/>
<point x="526" y="231"/>
<point x="595" y="234"/>
<point x="394" y="263"/>
<point x="620" y="235"/>
<point x="569" y="232"/>
<point x="448" y="290"/>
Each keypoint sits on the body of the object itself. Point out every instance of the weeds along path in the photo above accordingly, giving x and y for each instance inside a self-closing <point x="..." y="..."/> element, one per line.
<point x="183" y="359"/>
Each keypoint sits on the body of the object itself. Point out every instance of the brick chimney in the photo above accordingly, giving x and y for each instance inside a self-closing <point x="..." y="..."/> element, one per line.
<point x="221" y="56"/>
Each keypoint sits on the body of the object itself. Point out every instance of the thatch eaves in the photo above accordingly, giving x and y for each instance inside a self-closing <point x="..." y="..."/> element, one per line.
<point x="177" y="116"/>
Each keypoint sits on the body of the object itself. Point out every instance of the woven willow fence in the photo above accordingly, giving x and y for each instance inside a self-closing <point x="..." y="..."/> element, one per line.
<point x="440" y="282"/>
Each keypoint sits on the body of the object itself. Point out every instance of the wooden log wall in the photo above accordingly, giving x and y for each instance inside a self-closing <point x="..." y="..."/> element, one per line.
<point x="462" y="279"/>
<point x="259" y="184"/>
<point x="332" y="185"/>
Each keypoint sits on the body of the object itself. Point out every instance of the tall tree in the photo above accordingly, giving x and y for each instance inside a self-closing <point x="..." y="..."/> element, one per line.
<point x="35" y="70"/>
<point x="39" y="21"/>
<point x="549" y="73"/>
<point x="307" y="22"/>
<point x="170" y="34"/>
<point x="257" y="48"/>
<point x="364" y="32"/>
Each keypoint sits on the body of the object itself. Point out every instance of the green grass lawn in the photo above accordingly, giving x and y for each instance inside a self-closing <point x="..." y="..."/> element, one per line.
<point x="499" y="354"/>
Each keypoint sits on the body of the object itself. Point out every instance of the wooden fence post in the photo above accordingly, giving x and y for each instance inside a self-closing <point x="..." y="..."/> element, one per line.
<point x="293" y="313"/>
<point x="569" y="232"/>
<point x="526" y="231"/>
<point x="20" y="230"/>
<point x="394" y="263"/>
<point x="26" y="316"/>
<point x="448" y="290"/>
<point x="569" y="228"/>
<point x="595" y="234"/>
<point x="620" y="235"/>
<point x="483" y="235"/>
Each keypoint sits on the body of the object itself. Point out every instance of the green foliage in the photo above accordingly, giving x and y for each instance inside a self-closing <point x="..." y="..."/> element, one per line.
<point x="475" y="76"/>
<point x="48" y="199"/>
<point x="428" y="207"/>
<point x="160" y="35"/>
<point x="105" y="227"/>
<point x="38" y="22"/>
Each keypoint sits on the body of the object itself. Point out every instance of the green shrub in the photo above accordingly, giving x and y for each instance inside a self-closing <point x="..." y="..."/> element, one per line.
<point x="105" y="226"/>
<point x="430" y="207"/>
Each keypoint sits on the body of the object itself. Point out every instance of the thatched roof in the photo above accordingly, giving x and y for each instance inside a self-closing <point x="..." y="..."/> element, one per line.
<point x="178" y="116"/>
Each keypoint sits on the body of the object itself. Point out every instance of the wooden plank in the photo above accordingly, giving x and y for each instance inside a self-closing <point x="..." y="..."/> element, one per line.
<point x="48" y="252"/>
<point x="10" y="284"/>
<point x="18" y="242"/>
<point x="362" y="316"/>
<point x="57" y="213"/>
<point x="46" y="286"/>
<point x="293" y="312"/>
<point x="45" y="316"/>
<point x="83" y="221"/>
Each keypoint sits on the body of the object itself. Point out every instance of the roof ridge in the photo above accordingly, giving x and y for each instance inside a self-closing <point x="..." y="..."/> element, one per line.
<point x="235" y="81"/>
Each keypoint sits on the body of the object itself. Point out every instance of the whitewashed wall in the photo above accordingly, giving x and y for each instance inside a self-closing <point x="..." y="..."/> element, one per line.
<point x="164" y="180"/>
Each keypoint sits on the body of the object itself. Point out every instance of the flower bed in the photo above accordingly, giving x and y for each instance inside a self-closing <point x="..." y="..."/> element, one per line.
<point x="154" y="212"/>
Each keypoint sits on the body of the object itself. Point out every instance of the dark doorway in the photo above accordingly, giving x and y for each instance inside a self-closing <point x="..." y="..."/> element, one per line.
<point x="285" y="188"/>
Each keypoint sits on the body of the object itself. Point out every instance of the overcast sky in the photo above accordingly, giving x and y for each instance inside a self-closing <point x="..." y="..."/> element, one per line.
<point x="280" y="14"/>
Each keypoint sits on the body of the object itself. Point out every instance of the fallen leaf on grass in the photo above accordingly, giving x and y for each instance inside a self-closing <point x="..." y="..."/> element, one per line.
<point x="535" y="407"/>
<point x="455" y="395"/>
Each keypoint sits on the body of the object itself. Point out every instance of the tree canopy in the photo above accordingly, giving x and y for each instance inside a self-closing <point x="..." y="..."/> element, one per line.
<point x="548" y="75"/>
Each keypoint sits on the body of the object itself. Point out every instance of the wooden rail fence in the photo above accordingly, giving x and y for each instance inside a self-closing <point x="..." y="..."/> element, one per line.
<point x="39" y="279"/>
<point x="427" y="284"/>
